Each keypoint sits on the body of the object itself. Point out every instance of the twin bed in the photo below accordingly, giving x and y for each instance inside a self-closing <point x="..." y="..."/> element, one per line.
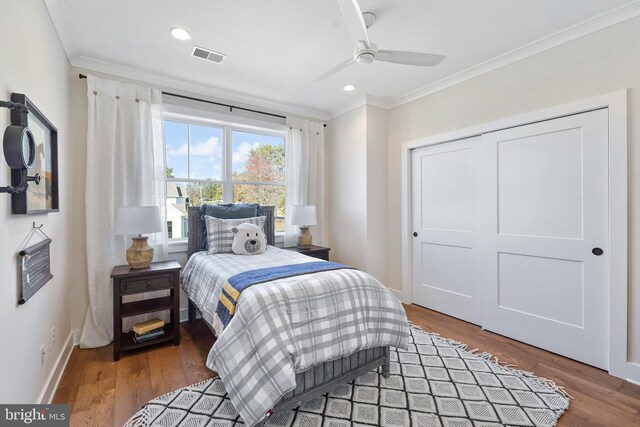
<point x="294" y="338"/>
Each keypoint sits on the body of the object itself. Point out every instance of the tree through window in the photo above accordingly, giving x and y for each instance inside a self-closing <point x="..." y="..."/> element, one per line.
<point x="258" y="171"/>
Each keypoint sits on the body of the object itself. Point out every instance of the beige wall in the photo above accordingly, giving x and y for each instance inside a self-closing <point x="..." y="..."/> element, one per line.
<point x="346" y="154"/>
<point x="376" y="211"/>
<point x="356" y="160"/>
<point x="603" y="62"/>
<point x="34" y="63"/>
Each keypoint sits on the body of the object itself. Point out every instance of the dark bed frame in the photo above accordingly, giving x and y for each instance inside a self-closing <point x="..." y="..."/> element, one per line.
<point x="321" y="378"/>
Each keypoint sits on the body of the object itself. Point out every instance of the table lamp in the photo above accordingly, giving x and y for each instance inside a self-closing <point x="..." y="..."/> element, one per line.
<point x="138" y="220"/>
<point x="303" y="216"/>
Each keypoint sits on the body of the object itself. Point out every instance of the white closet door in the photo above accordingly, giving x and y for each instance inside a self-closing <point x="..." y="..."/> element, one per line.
<point x="443" y="250"/>
<point x="542" y="197"/>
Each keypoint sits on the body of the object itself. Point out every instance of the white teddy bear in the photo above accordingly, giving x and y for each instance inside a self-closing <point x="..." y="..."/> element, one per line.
<point x="248" y="239"/>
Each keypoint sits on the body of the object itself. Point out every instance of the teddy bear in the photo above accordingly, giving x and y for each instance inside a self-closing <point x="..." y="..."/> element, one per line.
<point x="248" y="239"/>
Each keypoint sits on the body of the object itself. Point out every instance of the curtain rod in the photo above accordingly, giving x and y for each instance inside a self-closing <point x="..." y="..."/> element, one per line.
<point x="231" y="107"/>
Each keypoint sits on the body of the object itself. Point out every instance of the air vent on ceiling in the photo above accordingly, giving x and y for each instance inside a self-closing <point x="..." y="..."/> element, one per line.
<point x="207" y="54"/>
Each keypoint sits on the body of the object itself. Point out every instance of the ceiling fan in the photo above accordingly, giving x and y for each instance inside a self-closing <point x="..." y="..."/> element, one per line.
<point x="367" y="52"/>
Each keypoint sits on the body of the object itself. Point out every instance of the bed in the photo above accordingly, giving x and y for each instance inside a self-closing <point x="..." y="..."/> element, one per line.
<point x="310" y="381"/>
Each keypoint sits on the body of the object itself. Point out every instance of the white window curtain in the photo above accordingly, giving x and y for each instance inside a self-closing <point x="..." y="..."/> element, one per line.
<point x="125" y="167"/>
<point x="304" y="158"/>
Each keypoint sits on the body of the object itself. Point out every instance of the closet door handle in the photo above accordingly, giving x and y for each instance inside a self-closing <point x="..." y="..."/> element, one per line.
<point x="597" y="251"/>
<point x="415" y="234"/>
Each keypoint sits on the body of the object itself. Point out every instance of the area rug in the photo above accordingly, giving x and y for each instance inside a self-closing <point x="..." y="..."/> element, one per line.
<point x="436" y="382"/>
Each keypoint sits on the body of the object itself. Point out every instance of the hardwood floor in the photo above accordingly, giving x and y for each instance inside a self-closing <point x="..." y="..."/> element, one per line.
<point x="102" y="392"/>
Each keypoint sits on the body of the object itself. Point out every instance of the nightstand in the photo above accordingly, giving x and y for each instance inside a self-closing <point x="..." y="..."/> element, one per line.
<point x="313" y="251"/>
<point x="128" y="281"/>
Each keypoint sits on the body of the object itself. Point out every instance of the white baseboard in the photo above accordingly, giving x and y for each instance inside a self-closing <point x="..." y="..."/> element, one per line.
<point x="46" y="396"/>
<point x="633" y="373"/>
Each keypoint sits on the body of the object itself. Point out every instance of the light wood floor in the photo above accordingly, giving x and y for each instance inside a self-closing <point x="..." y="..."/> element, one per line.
<point x="105" y="393"/>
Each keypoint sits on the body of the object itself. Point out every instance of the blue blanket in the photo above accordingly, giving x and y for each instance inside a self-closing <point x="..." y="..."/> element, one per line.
<point x="236" y="284"/>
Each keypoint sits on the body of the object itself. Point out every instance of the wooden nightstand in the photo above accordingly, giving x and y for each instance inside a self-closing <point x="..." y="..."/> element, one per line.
<point x="128" y="281"/>
<point x="313" y="251"/>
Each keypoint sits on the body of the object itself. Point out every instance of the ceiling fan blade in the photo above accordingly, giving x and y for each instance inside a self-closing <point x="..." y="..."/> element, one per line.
<point x="352" y="15"/>
<point x="335" y="70"/>
<point x="410" y="58"/>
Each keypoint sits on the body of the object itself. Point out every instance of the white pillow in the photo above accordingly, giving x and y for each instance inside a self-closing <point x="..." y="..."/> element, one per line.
<point x="219" y="234"/>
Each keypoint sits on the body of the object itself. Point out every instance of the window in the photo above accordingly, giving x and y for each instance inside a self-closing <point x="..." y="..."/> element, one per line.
<point x="211" y="162"/>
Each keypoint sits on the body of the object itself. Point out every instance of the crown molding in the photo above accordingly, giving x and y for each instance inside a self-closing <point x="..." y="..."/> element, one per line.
<point x="348" y="106"/>
<point x="357" y="103"/>
<point x="375" y="101"/>
<point x="591" y="25"/>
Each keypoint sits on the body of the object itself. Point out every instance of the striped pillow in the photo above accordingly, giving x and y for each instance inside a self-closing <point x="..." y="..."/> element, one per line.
<point x="219" y="233"/>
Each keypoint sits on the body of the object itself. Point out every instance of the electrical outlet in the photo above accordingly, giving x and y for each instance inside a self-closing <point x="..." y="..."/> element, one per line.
<point x="53" y="336"/>
<point x="42" y="355"/>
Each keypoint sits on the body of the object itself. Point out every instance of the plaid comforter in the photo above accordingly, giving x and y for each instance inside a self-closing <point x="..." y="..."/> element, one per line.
<point x="288" y="325"/>
<point x="233" y="288"/>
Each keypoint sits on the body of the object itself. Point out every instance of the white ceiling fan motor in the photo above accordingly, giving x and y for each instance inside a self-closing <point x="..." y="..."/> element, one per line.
<point x="365" y="58"/>
<point x="365" y="54"/>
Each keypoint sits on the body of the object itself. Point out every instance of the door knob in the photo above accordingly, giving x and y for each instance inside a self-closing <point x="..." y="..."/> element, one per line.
<point x="597" y="251"/>
<point x="415" y="234"/>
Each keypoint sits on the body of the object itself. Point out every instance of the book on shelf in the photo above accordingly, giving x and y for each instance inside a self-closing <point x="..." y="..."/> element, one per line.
<point x="149" y="325"/>
<point x="148" y="336"/>
<point x="153" y="332"/>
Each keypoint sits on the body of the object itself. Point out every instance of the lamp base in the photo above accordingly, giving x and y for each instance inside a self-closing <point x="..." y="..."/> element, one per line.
<point x="304" y="238"/>
<point x="140" y="254"/>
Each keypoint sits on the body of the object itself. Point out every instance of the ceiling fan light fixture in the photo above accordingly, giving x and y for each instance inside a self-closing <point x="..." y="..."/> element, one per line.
<point x="180" y="33"/>
<point x="349" y="87"/>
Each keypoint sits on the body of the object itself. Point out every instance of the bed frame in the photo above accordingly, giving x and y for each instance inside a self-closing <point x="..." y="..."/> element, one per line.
<point x="318" y="379"/>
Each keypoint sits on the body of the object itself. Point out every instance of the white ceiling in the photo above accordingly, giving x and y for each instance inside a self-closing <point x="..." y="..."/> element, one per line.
<point x="276" y="48"/>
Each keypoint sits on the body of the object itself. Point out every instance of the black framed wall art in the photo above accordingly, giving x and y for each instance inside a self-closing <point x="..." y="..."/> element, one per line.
<point x="40" y="197"/>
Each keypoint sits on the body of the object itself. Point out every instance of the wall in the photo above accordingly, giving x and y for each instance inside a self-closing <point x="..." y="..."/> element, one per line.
<point x="33" y="63"/>
<point x="596" y="64"/>
<point x="357" y="191"/>
<point x="346" y="151"/>
<point x="376" y="244"/>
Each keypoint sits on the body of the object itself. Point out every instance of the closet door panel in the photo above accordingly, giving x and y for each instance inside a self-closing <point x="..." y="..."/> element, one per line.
<point x="545" y="212"/>
<point x="443" y="221"/>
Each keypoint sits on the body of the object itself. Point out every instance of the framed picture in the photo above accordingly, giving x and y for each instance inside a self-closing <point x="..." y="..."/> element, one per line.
<point x="42" y="197"/>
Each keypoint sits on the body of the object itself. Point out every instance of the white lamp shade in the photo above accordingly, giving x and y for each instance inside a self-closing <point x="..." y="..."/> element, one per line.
<point x="303" y="215"/>
<point x="138" y="220"/>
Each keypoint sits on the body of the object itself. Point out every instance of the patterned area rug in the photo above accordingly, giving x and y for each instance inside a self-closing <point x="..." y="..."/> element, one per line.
<point x="436" y="382"/>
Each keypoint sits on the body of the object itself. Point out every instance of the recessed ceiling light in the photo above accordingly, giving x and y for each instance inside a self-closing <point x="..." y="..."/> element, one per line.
<point x="349" y="88"/>
<point x="180" y="33"/>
